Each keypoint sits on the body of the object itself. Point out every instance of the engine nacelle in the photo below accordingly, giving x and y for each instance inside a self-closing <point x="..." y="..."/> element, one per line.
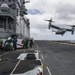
<point x="49" y="26"/>
<point x="72" y="30"/>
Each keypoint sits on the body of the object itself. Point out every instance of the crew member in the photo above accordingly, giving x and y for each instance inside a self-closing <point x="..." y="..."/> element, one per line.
<point x="8" y="44"/>
<point x="15" y="43"/>
<point x="31" y="43"/>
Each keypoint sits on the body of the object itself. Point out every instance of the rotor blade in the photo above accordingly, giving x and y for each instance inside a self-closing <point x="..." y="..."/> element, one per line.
<point x="27" y="1"/>
<point x="71" y="25"/>
<point x="47" y="20"/>
<point x="51" y="19"/>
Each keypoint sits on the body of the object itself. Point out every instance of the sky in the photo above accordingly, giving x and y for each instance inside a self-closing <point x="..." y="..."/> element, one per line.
<point x="62" y="12"/>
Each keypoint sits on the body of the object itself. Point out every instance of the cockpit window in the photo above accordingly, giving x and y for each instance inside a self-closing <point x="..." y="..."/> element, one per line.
<point x="30" y="56"/>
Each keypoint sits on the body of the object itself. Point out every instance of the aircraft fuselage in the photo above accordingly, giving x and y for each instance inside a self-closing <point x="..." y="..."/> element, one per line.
<point x="61" y="32"/>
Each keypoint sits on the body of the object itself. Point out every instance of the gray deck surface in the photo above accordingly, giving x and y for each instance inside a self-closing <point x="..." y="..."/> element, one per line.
<point x="27" y="65"/>
<point x="57" y="57"/>
<point x="6" y="67"/>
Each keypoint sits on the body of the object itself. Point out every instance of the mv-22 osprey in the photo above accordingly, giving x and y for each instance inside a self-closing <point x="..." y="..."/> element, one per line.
<point x="60" y="31"/>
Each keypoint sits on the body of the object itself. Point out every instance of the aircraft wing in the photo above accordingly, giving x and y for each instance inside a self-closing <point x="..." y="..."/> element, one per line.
<point x="55" y="27"/>
<point x="68" y="30"/>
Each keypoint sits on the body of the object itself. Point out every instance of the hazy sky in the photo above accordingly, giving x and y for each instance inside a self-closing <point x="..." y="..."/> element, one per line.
<point x="62" y="12"/>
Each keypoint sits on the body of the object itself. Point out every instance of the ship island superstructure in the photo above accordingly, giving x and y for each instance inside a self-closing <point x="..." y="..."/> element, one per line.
<point x="13" y="19"/>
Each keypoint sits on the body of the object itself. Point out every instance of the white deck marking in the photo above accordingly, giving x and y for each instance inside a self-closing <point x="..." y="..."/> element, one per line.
<point x="42" y="56"/>
<point x="0" y="55"/>
<point x="15" y="67"/>
<point x="37" y="45"/>
<point x="5" y="53"/>
<point x="48" y="71"/>
<point x="39" y="51"/>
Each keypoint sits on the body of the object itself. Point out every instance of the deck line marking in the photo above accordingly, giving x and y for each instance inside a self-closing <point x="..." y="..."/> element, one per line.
<point x="42" y="56"/>
<point x="65" y="43"/>
<point x="48" y="71"/>
<point x="39" y="51"/>
<point x="0" y="55"/>
<point x="15" y="67"/>
<point x="5" y="53"/>
<point x="37" y="45"/>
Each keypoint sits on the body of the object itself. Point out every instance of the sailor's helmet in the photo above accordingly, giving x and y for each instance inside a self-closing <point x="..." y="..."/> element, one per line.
<point x="9" y="38"/>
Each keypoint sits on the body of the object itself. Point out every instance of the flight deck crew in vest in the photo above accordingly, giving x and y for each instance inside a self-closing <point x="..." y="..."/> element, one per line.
<point x="26" y="43"/>
<point x="1" y="44"/>
<point x="15" y="43"/>
<point x="8" y="44"/>
<point x="31" y="43"/>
